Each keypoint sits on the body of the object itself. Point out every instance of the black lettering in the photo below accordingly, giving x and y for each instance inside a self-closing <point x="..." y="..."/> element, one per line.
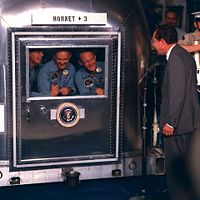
<point x="54" y="18"/>
<point x="65" y="18"/>
<point x="85" y="18"/>
<point x="58" y="18"/>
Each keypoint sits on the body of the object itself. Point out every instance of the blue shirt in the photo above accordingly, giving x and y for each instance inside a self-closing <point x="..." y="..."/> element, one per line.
<point x="33" y="76"/>
<point x="49" y="74"/>
<point x="87" y="82"/>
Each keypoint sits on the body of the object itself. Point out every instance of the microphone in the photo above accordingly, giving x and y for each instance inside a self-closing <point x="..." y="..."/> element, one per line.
<point x="152" y="67"/>
<point x="149" y="70"/>
<point x="54" y="78"/>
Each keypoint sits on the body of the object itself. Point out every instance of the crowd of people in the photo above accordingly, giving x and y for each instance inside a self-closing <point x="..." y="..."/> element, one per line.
<point x="58" y="77"/>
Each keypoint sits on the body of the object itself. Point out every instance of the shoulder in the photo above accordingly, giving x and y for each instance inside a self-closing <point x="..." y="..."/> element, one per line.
<point x="178" y="49"/>
<point x="101" y="64"/>
<point x="188" y="39"/>
<point x="197" y="35"/>
<point x="176" y="52"/>
<point x="70" y="66"/>
<point x="49" y="66"/>
<point x="179" y="52"/>
<point x="81" y="72"/>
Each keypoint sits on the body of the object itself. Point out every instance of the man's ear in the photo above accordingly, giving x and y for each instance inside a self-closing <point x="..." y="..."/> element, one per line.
<point x="163" y="43"/>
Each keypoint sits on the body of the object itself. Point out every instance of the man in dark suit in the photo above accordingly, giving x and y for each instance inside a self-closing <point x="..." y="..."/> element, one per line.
<point x="180" y="111"/>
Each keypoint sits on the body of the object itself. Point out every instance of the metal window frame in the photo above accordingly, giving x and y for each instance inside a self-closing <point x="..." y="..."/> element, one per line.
<point x="14" y="109"/>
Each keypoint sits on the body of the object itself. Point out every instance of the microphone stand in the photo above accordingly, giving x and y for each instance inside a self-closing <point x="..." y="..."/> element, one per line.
<point x="144" y="129"/>
<point x="152" y="68"/>
<point x="155" y="124"/>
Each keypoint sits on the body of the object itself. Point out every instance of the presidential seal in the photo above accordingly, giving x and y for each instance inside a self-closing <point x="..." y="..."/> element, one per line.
<point x="67" y="114"/>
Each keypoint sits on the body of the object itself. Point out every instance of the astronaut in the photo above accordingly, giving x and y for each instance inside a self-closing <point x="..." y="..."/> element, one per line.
<point x="35" y="59"/>
<point x="90" y="77"/>
<point x="56" y="77"/>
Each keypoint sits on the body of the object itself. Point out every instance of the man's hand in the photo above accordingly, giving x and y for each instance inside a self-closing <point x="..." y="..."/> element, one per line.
<point x="65" y="91"/>
<point x="54" y="90"/>
<point x="99" y="91"/>
<point x="168" y="130"/>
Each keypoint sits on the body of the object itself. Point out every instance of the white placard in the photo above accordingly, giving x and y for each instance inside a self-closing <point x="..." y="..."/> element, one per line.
<point x="53" y="113"/>
<point x="82" y="113"/>
<point x="68" y="19"/>
<point x="2" y="118"/>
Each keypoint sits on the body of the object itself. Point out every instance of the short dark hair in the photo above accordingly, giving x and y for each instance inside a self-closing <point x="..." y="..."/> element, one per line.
<point x="171" y="10"/>
<point x="85" y="50"/>
<point x="35" y="50"/>
<point x="168" y="33"/>
<point x="61" y="49"/>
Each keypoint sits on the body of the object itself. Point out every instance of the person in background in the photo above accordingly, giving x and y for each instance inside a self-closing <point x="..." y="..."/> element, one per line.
<point x="35" y="60"/>
<point x="56" y="77"/>
<point x="171" y="18"/>
<point x="90" y="77"/>
<point x="190" y="38"/>
<point x="180" y="111"/>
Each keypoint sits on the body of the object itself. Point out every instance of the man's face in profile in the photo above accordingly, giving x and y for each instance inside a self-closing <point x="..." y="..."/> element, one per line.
<point x="35" y="57"/>
<point x="197" y="24"/>
<point x="88" y="60"/>
<point x="62" y="59"/>
<point x="158" y="45"/>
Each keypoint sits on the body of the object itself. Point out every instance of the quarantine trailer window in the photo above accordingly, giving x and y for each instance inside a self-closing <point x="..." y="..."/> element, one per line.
<point x="60" y="72"/>
<point x="64" y="88"/>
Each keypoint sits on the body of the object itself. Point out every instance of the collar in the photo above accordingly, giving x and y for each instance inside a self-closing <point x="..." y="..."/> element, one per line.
<point x="61" y="70"/>
<point x="169" y="51"/>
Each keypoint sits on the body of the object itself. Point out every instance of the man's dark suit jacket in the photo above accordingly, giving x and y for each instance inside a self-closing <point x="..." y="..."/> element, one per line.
<point x="180" y="107"/>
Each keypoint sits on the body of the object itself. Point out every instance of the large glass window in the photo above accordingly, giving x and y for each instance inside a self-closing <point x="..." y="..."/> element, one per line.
<point x="52" y="70"/>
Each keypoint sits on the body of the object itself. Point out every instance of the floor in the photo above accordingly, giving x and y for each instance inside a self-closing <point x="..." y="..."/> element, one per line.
<point x="153" y="187"/>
